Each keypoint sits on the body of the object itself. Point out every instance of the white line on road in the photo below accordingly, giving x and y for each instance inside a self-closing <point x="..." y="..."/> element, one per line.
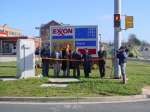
<point x="73" y="103"/>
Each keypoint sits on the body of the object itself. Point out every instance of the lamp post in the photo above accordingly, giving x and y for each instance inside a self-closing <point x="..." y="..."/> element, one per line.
<point x="100" y="39"/>
<point x="1" y="47"/>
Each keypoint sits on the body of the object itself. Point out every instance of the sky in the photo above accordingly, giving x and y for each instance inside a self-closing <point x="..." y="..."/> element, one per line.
<point x="28" y="14"/>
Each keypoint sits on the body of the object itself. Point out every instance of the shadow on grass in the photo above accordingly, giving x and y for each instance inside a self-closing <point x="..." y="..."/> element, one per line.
<point x="139" y="65"/>
<point x="7" y="66"/>
<point x="99" y="80"/>
<point x="7" y="76"/>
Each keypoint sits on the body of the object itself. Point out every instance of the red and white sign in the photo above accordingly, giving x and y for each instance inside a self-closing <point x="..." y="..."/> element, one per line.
<point x="62" y="31"/>
<point x="3" y="34"/>
<point x="90" y="50"/>
<point x="79" y="36"/>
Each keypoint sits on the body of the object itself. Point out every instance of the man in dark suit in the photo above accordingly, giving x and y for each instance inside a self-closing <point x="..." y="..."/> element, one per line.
<point x="102" y="54"/>
<point x="87" y="62"/>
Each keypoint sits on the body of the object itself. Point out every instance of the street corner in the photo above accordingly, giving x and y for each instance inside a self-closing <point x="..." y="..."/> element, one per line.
<point x="146" y="91"/>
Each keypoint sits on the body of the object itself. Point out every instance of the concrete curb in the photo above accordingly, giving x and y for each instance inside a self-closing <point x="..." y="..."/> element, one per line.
<point x="74" y="99"/>
<point x="142" y="60"/>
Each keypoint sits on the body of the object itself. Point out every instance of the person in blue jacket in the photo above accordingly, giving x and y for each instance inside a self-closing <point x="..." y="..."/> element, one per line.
<point x="45" y="54"/>
<point x="122" y="55"/>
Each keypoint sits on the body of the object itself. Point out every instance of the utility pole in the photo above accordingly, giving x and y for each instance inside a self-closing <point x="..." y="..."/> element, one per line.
<point x="117" y="35"/>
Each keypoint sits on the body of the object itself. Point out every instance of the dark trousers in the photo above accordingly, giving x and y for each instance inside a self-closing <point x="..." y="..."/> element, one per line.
<point x="102" y="69"/>
<point x="86" y="71"/>
<point x="76" y="71"/>
<point x="45" y="68"/>
<point x="56" y="68"/>
<point x="68" y="68"/>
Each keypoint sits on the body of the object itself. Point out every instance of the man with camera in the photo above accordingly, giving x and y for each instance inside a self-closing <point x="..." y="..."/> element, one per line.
<point x="122" y="55"/>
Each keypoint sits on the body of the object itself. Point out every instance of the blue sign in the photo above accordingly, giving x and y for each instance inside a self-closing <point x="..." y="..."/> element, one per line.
<point x="85" y="33"/>
<point x="85" y="43"/>
<point x="63" y="37"/>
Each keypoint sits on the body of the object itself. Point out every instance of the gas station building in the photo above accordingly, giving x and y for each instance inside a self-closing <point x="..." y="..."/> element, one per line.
<point x="9" y="37"/>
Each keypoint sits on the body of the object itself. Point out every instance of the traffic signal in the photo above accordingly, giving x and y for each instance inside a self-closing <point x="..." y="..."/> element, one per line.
<point x="129" y="22"/>
<point x="117" y="20"/>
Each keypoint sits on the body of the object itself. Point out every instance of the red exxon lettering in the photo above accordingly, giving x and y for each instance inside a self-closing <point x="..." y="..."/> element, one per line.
<point x="62" y="31"/>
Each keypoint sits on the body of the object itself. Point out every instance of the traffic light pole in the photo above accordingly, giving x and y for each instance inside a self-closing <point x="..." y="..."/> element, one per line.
<point x="117" y="39"/>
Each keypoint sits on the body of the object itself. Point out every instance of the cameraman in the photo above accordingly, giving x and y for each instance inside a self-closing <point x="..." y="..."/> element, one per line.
<point x="122" y="55"/>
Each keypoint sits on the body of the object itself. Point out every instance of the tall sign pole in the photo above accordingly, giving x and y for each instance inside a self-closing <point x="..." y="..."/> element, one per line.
<point x="117" y="35"/>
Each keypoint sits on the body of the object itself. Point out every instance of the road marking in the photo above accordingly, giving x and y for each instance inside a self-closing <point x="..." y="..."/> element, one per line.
<point x="73" y="103"/>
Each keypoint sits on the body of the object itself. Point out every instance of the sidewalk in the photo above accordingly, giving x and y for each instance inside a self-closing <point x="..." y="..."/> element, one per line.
<point x="7" y="58"/>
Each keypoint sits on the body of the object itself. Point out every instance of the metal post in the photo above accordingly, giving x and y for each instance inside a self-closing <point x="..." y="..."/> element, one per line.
<point x="50" y="38"/>
<point x="117" y="39"/>
<point x="100" y="41"/>
<point x="1" y="47"/>
<point x="24" y="65"/>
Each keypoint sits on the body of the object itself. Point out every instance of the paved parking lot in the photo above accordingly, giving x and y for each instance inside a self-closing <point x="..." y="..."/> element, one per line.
<point x="7" y="58"/>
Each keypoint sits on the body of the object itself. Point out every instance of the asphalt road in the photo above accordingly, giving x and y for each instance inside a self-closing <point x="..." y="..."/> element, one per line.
<point x="139" y="106"/>
<point x="145" y="54"/>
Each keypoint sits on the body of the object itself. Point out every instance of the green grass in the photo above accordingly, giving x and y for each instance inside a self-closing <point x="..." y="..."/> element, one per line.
<point x="138" y="74"/>
<point x="7" y="68"/>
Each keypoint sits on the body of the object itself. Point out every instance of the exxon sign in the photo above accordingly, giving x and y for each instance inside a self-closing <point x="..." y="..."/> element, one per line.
<point x="62" y="32"/>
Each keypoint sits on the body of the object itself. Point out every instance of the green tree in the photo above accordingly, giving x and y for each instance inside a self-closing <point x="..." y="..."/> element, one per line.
<point x="133" y="40"/>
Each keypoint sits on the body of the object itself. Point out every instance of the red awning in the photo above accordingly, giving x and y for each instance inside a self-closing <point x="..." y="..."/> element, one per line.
<point x="3" y="34"/>
<point x="12" y="38"/>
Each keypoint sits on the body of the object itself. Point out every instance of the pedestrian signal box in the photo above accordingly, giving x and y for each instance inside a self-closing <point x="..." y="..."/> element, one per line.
<point x="117" y="20"/>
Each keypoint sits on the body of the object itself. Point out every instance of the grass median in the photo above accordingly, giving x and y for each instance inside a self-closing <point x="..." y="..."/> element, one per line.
<point x="138" y="74"/>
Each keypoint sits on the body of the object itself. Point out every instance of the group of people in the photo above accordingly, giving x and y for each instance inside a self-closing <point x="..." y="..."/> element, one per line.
<point x="67" y="59"/>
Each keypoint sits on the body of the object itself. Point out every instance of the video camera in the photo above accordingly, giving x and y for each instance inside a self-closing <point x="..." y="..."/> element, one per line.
<point x="122" y="49"/>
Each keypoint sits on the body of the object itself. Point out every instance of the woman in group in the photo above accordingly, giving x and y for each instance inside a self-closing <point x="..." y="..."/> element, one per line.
<point x="66" y="55"/>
